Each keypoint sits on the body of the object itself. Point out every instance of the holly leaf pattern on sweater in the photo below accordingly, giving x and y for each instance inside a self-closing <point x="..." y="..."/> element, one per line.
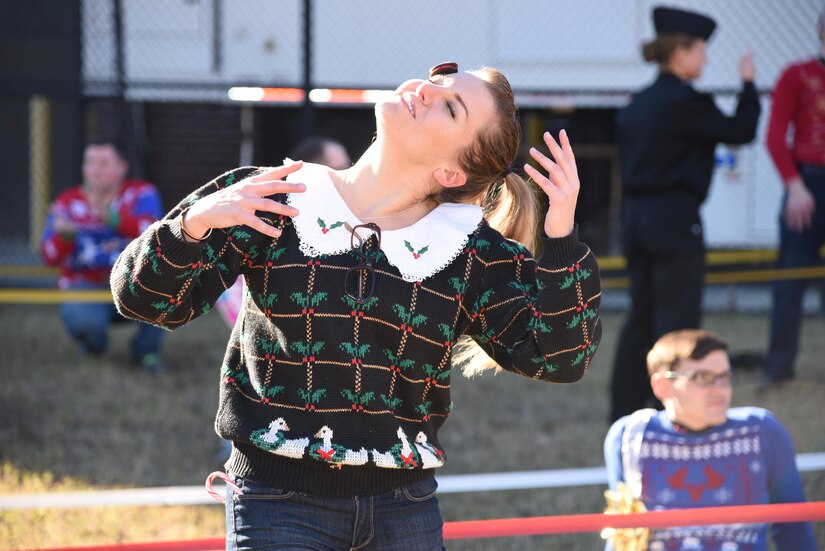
<point x="325" y="229"/>
<point x="416" y="254"/>
<point x="294" y="356"/>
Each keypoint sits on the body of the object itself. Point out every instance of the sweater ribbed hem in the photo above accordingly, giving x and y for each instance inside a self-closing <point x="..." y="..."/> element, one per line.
<point x="317" y="479"/>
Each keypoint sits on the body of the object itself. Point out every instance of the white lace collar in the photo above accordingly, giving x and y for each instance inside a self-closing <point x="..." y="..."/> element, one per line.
<point x="418" y="251"/>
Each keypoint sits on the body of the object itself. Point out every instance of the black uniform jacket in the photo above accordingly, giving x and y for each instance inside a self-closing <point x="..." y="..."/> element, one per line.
<point x="667" y="137"/>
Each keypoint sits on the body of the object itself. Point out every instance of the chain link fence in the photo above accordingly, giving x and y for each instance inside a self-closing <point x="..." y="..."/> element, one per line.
<point x="156" y="74"/>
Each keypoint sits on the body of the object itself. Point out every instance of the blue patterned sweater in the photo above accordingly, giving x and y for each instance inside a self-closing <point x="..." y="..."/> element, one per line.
<point x="748" y="460"/>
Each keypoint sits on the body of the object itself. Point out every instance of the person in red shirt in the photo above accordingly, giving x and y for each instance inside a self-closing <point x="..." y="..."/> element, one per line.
<point x="798" y="103"/>
<point x="86" y="229"/>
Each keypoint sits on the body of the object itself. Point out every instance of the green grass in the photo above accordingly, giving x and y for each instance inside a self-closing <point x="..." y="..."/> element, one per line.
<point x="67" y="426"/>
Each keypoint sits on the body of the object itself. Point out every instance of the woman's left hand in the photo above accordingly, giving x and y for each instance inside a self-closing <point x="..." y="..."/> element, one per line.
<point x="561" y="184"/>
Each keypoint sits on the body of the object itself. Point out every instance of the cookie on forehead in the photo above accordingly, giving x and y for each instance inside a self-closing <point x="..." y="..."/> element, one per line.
<point x="445" y="68"/>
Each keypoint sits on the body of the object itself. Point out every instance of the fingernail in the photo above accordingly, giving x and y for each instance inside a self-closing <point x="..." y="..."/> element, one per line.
<point x="563" y="131"/>
<point x="295" y="212"/>
<point x="302" y="187"/>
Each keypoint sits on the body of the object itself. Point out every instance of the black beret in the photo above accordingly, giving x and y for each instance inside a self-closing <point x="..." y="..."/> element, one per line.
<point x="673" y="20"/>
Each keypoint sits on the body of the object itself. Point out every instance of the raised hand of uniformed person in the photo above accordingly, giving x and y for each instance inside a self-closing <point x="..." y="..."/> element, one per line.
<point x="236" y="205"/>
<point x="747" y="69"/>
<point x="561" y="184"/>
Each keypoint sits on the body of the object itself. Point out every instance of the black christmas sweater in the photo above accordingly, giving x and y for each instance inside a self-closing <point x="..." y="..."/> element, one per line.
<point x="324" y="394"/>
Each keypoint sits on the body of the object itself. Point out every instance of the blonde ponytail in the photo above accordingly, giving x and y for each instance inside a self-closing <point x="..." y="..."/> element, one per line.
<point x="510" y="203"/>
<point x="514" y="211"/>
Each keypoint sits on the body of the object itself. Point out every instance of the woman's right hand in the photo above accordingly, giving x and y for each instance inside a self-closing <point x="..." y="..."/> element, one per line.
<point x="236" y="205"/>
<point x="799" y="206"/>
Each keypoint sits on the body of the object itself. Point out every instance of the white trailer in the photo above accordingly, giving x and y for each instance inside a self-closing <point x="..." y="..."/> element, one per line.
<point x="557" y="53"/>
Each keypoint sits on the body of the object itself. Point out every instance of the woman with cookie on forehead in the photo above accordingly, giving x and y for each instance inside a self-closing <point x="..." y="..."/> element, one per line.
<point x="366" y="286"/>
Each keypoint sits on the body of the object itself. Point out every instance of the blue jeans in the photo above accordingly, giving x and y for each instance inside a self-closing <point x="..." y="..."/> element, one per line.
<point x="796" y="250"/>
<point x="403" y="519"/>
<point x="88" y="324"/>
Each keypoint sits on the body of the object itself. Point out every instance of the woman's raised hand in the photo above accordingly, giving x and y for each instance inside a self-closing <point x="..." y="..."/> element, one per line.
<point x="561" y="184"/>
<point x="747" y="68"/>
<point x="236" y="205"/>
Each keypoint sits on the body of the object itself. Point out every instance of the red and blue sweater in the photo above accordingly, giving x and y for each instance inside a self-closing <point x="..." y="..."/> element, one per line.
<point x="748" y="460"/>
<point x="88" y="255"/>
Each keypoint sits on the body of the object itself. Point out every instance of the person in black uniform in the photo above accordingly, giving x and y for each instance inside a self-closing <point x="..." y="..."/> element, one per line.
<point x="667" y="136"/>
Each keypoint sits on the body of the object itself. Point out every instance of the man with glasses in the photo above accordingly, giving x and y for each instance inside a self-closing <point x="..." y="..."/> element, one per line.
<point x="699" y="452"/>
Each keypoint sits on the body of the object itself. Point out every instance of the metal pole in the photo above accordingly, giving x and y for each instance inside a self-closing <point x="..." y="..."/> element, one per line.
<point x="307" y="112"/>
<point x="40" y="166"/>
<point x="119" y="70"/>
<point x="217" y="36"/>
<point x="247" y="149"/>
<point x="130" y="118"/>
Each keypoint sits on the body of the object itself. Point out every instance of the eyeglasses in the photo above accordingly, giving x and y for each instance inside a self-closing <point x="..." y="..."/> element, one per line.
<point x="704" y="379"/>
<point x="361" y="288"/>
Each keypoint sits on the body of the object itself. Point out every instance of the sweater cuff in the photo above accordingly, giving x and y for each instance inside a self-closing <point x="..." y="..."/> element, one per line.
<point x="174" y="244"/>
<point x="560" y="250"/>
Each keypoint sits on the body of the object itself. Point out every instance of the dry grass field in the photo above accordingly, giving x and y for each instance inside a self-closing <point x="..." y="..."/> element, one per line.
<point x="66" y="426"/>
